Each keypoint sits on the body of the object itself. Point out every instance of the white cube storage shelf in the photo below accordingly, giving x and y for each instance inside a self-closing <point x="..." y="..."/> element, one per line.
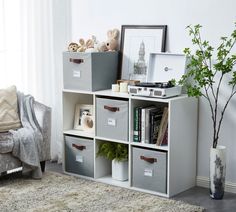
<point x="178" y="158"/>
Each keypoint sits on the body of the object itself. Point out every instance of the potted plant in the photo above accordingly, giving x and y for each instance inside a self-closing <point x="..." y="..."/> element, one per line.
<point x="204" y="78"/>
<point x="118" y="154"/>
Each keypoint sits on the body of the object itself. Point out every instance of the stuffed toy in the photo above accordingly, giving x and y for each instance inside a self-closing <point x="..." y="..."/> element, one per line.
<point x="73" y="47"/>
<point x="82" y="46"/>
<point x="102" y="47"/>
<point x="85" y="46"/>
<point x="98" y="46"/>
<point x="112" y="41"/>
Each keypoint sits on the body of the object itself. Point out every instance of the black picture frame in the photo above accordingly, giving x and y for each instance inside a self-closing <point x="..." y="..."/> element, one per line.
<point x="151" y="38"/>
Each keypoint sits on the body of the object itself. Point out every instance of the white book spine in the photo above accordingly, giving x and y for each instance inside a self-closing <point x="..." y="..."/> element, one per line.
<point x="147" y="126"/>
<point x="143" y="119"/>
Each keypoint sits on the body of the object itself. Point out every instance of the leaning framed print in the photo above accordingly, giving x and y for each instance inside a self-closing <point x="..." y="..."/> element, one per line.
<point x="137" y="42"/>
<point x="80" y="110"/>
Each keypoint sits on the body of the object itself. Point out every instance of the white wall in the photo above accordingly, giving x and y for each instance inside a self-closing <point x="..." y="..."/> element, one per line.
<point x="96" y="17"/>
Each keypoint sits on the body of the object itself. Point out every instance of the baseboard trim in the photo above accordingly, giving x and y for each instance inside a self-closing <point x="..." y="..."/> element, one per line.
<point x="204" y="182"/>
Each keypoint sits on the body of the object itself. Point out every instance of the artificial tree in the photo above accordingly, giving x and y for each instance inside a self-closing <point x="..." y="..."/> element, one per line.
<point x="205" y="75"/>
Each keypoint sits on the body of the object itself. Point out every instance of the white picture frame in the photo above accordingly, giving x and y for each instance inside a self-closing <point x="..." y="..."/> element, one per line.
<point x="79" y="109"/>
<point x="137" y="42"/>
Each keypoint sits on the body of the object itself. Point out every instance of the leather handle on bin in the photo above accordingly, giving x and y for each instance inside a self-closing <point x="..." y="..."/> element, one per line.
<point x="79" y="147"/>
<point x="112" y="109"/>
<point x="78" y="61"/>
<point x="149" y="160"/>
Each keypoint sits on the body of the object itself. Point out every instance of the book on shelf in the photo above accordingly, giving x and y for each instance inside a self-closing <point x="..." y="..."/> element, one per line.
<point x="145" y="123"/>
<point x="163" y="129"/>
<point x="137" y="124"/>
<point x="165" y="138"/>
<point x="148" y="124"/>
<point x="155" y="117"/>
<point x="135" y="130"/>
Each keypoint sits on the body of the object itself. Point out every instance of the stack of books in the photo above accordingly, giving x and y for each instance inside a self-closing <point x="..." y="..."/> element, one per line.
<point x="151" y="125"/>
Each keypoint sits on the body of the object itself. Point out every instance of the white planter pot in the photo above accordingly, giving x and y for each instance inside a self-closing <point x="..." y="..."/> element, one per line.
<point x="120" y="170"/>
<point x="217" y="171"/>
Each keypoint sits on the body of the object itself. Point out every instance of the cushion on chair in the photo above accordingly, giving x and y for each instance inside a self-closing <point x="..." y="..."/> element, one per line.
<point x="9" y="118"/>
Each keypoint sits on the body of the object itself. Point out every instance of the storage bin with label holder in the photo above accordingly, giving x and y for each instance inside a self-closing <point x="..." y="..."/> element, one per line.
<point x="149" y="169"/>
<point x="79" y="156"/>
<point x="112" y="118"/>
<point x="89" y="71"/>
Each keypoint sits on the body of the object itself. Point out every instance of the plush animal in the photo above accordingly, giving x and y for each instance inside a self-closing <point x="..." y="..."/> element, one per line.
<point x="112" y="41"/>
<point x="85" y="46"/>
<point x="82" y="46"/>
<point x="73" y="47"/>
<point x="102" y="47"/>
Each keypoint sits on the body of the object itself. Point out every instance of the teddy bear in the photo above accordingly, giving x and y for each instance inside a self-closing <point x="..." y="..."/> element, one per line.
<point x="73" y="47"/>
<point x="112" y="41"/>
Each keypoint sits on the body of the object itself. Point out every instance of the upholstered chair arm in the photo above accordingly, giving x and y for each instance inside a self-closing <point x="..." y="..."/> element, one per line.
<point x="43" y="115"/>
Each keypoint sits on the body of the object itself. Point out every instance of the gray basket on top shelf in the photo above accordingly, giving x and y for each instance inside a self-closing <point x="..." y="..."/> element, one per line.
<point x="89" y="71"/>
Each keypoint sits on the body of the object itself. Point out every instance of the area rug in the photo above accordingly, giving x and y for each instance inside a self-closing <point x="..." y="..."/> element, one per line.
<point x="58" y="192"/>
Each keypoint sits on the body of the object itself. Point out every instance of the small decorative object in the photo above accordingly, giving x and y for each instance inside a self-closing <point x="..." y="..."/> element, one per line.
<point x="73" y="47"/>
<point x="217" y="171"/>
<point x="115" y="88"/>
<point x="85" y="111"/>
<point x="124" y="87"/>
<point x="87" y="122"/>
<point x="137" y="42"/>
<point x="206" y="79"/>
<point x="130" y="82"/>
<point x="112" y="39"/>
<point x="118" y="154"/>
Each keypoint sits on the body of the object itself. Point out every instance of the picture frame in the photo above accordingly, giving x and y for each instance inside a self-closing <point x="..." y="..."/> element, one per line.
<point x="79" y="109"/>
<point x="137" y="42"/>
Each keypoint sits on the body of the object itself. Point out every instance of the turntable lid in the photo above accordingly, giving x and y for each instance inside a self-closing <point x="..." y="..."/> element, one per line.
<point x="166" y="66"/>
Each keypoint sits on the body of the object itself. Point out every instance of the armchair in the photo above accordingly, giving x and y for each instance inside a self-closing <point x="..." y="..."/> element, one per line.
<point x="43" y="115"/>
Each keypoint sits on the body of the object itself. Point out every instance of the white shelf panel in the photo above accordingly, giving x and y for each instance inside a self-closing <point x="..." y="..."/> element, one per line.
<point x="152" y="99"/>
<point x="77" y="91"/>
<point x="112" y="140"/>
<point x="108" y="179"/>
<point x="152" y="146"/>
<point x="112" y="94"/>
<point x="150" y="192"/>
<point x="79" y="133"/>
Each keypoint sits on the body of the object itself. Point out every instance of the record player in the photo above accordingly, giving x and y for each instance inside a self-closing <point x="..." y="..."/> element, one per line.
<point x="163" y="67"/>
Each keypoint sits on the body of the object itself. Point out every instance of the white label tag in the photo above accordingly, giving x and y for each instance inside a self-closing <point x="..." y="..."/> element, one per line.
<point x="79" y="158"/>
<point x="76" y="73"/>
<point x="148" y="172"/>
<point x="111" y="122"/>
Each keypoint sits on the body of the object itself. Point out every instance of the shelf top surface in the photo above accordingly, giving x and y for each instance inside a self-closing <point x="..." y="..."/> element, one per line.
<point x="77" y="91"/>
<point x="124" y="95"/>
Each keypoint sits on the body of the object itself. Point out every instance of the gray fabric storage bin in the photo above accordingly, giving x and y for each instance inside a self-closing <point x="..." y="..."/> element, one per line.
<point x="79" y="156"/>
<point x="112" y="118"/>
<point x="89" y="71"/>
<point x="149" y="169"/>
